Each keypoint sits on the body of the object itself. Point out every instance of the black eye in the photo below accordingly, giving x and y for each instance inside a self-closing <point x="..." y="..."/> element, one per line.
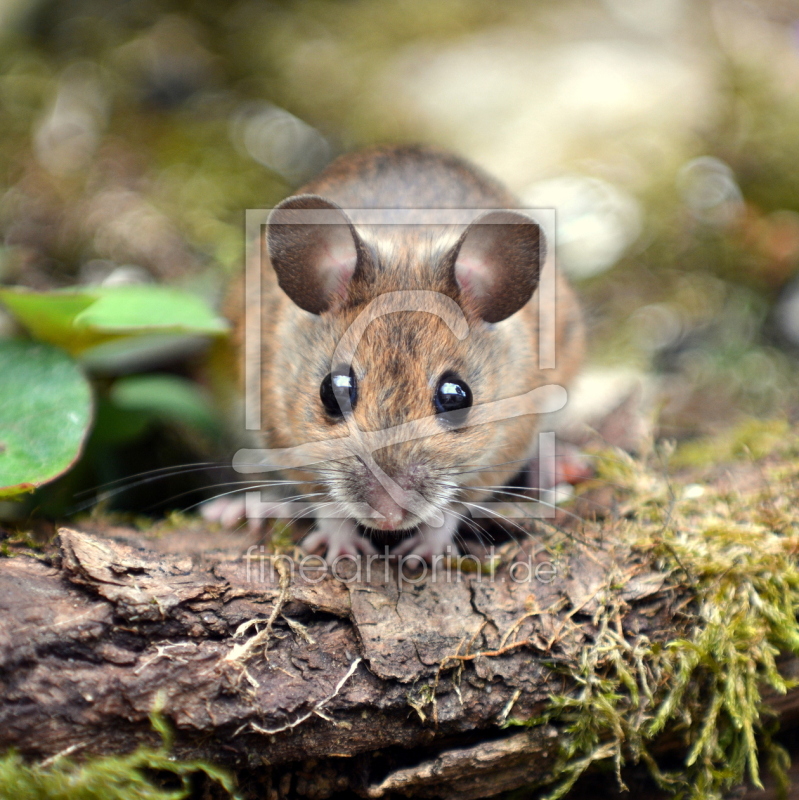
<point x="339" y="392"/>
<point x="452" y="395"/>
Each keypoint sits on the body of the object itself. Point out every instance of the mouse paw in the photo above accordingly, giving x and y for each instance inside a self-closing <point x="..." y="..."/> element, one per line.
<point x="229" y="512"/>
<point x="570" y="466"/>
<point x="337" y="537"/>
<point x="429" y="541"/>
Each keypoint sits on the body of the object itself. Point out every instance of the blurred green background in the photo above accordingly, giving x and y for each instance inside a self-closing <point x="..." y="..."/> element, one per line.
<point x="665" y="133"/>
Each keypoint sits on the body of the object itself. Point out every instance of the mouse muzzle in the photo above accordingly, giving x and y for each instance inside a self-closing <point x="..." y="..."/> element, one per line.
<point x="401" y="495"/>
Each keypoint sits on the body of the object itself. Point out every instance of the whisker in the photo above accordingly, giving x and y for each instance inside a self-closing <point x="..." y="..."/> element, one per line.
<point x="316" y="507"/>
<point x="251" y="487"/>
<point x="483" y="535"/>
<point x="515" y="493"/>
<point x="175" y="469"/>
<point x="298" y="515"/>
<point x="544" y="503"/>
<point x="498" y="515"/>
<point x="237" y="491"/>
<point x="550" y="523"/>
<point x="467" y="468"/>
<point x="119" y="490"/>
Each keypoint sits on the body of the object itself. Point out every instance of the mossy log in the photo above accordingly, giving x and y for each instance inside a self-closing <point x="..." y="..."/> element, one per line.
<point x="390" y="687"/>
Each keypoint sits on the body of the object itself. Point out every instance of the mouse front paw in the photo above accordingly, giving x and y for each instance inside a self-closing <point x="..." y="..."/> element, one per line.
<point x="232" y="510"/>
<point x="335" y="538"/>
<point x="228" y="512"/>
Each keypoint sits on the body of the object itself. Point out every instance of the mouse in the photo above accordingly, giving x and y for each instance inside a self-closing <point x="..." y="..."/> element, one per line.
<point x="399" y="312"/>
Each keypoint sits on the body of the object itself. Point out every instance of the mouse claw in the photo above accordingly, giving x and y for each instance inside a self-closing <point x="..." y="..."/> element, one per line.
<point x="336" y="538"/>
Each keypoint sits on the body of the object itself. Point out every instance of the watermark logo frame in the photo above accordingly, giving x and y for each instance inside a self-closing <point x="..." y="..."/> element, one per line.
<point x="261" y="460"/>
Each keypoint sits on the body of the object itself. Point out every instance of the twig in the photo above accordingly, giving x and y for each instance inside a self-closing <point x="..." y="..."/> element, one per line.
<point x="240" y="651"/>
<point x="61" y="754"/>
<point x="317" y="709"/>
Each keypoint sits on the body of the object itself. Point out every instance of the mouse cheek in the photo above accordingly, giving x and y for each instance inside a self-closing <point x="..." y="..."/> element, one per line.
<point x="459" y="455"/>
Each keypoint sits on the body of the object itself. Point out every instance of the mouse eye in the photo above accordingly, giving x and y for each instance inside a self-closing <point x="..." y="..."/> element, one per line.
<point x="339" y="392"/>
<point x="452" y="395"/>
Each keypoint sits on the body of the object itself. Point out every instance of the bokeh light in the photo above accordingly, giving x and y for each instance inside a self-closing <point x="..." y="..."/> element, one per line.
<point x="663" y="132"/>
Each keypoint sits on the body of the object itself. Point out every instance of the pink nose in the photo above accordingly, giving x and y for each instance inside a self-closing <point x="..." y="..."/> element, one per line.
<point x="393" y="513"/>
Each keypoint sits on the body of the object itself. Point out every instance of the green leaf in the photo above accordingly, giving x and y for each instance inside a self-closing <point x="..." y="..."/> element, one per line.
<point x="114" y="426"/>
<point x="167" y="397"/>
<point x="128" y="309"/>
<point x="50" y="316"/>
<point x="45" y="413"/>
<point x="80" y="320"/>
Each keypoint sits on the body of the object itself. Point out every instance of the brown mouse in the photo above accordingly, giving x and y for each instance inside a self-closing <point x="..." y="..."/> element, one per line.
<point x="461" y="335"/>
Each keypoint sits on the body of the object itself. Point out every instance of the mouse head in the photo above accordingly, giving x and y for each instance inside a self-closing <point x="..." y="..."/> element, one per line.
<point x="437" y="346"/>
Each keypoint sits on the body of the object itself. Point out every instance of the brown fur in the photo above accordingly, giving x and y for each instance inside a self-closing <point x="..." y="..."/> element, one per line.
<point x="402" y="355"/>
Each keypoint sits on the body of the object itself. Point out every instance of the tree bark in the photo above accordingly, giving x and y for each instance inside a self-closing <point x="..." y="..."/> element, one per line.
<point x="377" y="686"/>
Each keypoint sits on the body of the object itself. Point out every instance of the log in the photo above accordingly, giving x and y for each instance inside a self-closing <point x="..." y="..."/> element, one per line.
<point x="372" y="684"/>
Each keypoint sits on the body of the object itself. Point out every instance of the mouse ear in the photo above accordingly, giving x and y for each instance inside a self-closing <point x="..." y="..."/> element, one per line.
<point x="497" y="262"/>
<point x="315" y="251"/>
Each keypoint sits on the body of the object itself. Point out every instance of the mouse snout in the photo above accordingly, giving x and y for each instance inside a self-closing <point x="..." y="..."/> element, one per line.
<point x="394" y="511"/>
<point x="396" y="498"/>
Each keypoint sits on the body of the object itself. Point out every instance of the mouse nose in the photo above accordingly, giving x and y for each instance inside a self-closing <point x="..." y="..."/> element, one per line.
<point x="393" y="513"/>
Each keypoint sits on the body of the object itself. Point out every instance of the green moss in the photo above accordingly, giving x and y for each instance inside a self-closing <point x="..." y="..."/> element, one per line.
<point x="753" y="437"/>
<point x="736" y="571"/>
<point x="21" y="541"/>
<point x="281" y="539"/>
<point x="127" y="777"/>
